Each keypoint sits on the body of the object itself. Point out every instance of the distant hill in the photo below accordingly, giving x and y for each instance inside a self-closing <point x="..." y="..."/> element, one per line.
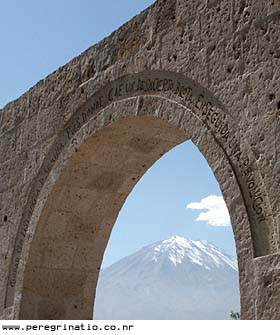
<point x="172" y="279"/>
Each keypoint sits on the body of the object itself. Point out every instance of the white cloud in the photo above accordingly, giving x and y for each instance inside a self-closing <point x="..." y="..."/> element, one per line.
<point x="213" y="210"/>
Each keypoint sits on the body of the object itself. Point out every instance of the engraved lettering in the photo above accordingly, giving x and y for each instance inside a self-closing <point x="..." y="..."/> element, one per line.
<point x="187" y="93"/>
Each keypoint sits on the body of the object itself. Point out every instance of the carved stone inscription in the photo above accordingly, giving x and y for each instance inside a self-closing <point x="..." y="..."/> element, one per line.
<point x="168" y="85"/>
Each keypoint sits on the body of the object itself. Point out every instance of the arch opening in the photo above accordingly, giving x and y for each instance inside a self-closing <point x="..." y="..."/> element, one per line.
<point x="160" y="261"/>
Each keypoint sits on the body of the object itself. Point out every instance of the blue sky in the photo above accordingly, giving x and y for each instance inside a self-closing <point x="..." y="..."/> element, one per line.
<point x="157" y="206"/>
<point x="39" y="36"/>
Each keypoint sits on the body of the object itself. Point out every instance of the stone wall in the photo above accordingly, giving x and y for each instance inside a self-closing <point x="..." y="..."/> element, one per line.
<point x="201" y="70"/>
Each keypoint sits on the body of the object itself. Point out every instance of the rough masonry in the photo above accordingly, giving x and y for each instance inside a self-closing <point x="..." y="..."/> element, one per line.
<point x="205" y="71"/>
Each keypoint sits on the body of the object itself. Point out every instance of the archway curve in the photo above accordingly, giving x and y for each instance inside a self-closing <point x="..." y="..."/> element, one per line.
<point x="188" y="104"/>
<point x="141" y="125"/>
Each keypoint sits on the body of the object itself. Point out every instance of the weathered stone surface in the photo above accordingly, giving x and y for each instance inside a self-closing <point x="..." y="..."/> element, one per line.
<point x="73" y="147"/>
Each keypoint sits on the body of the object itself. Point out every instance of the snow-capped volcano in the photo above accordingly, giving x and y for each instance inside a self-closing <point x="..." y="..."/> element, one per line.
<point x="179" y="249"/>
<point x="176" y="278"/>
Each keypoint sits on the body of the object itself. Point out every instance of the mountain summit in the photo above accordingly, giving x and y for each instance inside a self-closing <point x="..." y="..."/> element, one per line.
<point x="181" y="250"/>
<point x="176" y="278"/>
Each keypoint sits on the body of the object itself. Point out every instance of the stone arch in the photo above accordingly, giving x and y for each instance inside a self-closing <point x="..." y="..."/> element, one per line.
<point x="191" y="100"/>
<point x="102" y="164"/>
<point x="177" y="76"/>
